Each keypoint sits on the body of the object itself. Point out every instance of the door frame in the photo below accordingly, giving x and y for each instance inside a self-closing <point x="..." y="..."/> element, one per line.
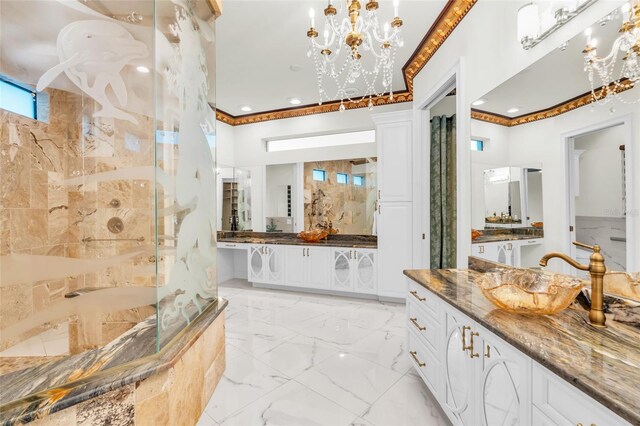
<point x="626" y="120"/>
<point x="453" y="78"/>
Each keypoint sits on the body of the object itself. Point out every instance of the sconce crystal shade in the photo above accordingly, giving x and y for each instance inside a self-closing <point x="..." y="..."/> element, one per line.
<point x="528" y="25"/>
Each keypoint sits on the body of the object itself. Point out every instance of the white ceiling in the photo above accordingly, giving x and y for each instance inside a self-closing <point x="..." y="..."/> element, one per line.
<point x="257" y="42"/>
<point x="554" y="79"/>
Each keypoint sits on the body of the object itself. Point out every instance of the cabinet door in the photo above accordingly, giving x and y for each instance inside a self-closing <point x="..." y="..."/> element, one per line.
<point x="364" y="271"/>
<point x="394" y="161"/>
<point x="488" y="251"/>
<point x="295" y="274"/>
<point x="503" y="394"/>
<point x="506" y="253"/>
<point x="341" y="275"/>
<point x="256" y="264"/>
<point x="395" y="248"/>
<point x="318" y="267"/>
<point x="274" y="264"/>
<point x="458" y="368"/>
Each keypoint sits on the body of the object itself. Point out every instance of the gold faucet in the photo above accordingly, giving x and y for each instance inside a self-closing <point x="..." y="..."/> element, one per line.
<point x="596" y="270"/>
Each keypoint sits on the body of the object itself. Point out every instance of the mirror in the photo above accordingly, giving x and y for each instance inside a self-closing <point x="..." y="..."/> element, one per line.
<point x="552" y="158"/>
<point x="234" y="198"/>
<point x="279" y="203"/>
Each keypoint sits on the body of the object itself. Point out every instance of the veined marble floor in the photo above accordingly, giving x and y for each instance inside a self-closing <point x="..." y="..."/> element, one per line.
<point x="302" y="359"/>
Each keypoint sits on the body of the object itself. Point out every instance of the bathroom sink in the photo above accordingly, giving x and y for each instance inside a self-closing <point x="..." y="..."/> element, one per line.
<point x="624" y="284"/>
<point x="525" y="291"/>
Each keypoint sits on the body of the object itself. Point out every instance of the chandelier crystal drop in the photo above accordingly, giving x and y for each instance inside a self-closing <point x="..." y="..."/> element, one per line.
<point x="338" y="52"/>
<point x="602" y="71"/>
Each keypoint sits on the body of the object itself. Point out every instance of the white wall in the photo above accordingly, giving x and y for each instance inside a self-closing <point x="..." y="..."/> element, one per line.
<point x="225" y="145"/>
<point x="486" y="41"/>
<point x="250" y="139"/>
<point x="600" y="173"/>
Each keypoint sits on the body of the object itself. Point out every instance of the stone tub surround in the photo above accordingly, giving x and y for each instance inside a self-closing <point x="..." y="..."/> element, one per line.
<point x="508" y="234"/>
<point x="337" y="240"/>
<point x="162" y="383"/>
<point x="604" y="364"/>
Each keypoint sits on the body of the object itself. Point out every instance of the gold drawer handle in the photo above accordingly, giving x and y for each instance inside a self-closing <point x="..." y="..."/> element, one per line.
<point x="464" y="338"/>
<point x="471" y="354"/>
<point x="417" y="324"/>
<point x="414" y="355"/>
<point x="417" y="296"/>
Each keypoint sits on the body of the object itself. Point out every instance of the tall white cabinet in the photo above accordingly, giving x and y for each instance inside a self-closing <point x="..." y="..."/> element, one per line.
<point x="394" y="211"/>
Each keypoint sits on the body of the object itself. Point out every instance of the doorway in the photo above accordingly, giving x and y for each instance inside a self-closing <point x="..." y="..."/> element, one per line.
<point x="600" y="193"/>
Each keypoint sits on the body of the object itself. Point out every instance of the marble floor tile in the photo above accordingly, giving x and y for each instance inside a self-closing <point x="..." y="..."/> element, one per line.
<point x="407" y="403"/>
<point x="336" y="331"/>
<point x="232" y="352"/>
<point x="291" y="404"/>
<point x="352" y="382"/>
<point x="244" y="380"/>
<point x="385" y="348"/>
<point x="294" y="357"/>
<point x="206" y="420"/>
<point x="255" y="337"/>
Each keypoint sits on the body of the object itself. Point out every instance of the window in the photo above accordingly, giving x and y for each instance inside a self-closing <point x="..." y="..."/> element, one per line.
<point x="319" y="175"/>
<point x="477" y="145"/>
<point x="343" y="178"/>
<point x="17" y="99"/>
<point x="358" y="180"/>
<point x="322" y="141"/>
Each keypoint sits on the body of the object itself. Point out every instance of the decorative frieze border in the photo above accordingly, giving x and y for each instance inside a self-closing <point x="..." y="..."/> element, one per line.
<point x="554" y="111"/>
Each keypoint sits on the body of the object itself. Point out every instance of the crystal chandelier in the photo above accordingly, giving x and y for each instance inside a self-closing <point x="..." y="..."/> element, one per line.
<point x="627" y="44"/>
<point x="344" y="45"/>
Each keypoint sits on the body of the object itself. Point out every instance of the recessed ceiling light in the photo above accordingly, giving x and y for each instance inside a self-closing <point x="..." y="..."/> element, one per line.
<point x="479" y="102"/>
<point x="295" y="67"/>
<point x="513" y="110"/>
<point x="295" y="101"/>
<point x="246" y="108"/>
<point x="142" y="69"/>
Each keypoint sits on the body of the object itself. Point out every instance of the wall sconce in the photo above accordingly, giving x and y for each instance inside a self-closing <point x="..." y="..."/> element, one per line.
<point x="533" y="28"/>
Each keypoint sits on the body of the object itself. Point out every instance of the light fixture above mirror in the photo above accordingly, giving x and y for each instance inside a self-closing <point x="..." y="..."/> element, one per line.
<point x="534" y="26"/>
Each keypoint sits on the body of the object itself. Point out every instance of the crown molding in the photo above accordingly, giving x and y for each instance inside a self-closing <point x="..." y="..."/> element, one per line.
<point x="447" y="21"/>
<point x="554" y="111"/>
<point x="333" y="106"/>
<point x="453" y="12"/>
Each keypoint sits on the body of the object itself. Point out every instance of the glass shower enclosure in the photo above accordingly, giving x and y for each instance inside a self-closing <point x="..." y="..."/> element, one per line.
<point x="108" y="192"/>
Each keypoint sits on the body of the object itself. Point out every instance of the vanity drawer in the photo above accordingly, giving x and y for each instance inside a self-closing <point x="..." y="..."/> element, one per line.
<point x="531" y="242"/>
<point x="237" y="246"/>
<point x="422" y="324"/>
<point x="425" y="299"/>
<point x="565" y="404"/>
<point x="424" y="362"/>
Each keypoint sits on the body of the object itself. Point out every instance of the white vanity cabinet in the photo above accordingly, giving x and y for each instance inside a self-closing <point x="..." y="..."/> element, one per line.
<point x="307" y="266"/>
<point x="505" y="252"/>
<point x="479" y="379"/>
<point x="353" y="270"/>
<point x="266" y="264"/>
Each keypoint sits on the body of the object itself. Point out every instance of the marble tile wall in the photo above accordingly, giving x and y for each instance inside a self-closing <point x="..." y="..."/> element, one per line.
<point x="57" y="183"/>
<point x="350" y="208"/>
<point x="599" y="230"/>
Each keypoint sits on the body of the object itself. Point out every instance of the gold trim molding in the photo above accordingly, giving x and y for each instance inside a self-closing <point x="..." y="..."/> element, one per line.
<point x="447" y="21"/>
<point x="554" y="111"/>
<point x="240" y="120"/>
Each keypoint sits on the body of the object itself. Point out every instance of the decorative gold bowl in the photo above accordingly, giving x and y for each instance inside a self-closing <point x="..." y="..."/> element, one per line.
<point x="524" y="291"/>
<point x="313" y="236"/>
<point x="624" y="284"/>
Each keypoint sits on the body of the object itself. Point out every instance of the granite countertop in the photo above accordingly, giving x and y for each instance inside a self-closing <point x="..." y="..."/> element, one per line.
<point x="603" y="363"/>
<point x="337" y="240"/>
<point x="32" y="393"/>
<point x="503" y="237"/>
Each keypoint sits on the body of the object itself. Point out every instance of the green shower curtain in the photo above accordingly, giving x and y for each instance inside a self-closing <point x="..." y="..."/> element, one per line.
<point x="443" y="192"/>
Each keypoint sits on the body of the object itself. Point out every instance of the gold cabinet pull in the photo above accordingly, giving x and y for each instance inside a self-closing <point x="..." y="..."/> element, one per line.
<point x="417" y="296"/>
<point x="471" y="354"/>
<point x="417" y="324"/>
<point x="414" y="355"/>
<point x="464" y="338"/>
<point x="487" y="353"/>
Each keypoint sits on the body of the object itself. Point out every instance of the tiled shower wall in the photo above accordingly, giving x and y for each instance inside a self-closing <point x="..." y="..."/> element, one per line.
<point x="350" y="208"/>
<point x="49" y="204"/>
